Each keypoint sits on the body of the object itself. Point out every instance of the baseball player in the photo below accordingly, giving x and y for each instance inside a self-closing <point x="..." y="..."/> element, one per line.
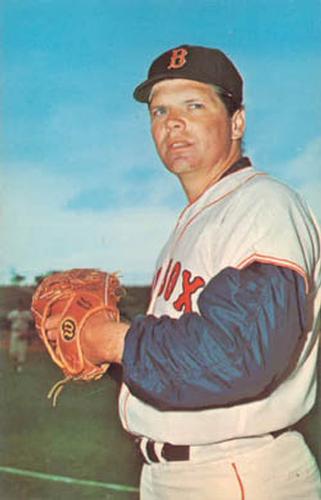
<point x="20" y="320"/>
<point x="223" y="364"/>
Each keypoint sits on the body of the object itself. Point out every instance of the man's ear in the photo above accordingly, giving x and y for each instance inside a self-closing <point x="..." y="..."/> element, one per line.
<point x="238" y="124"/>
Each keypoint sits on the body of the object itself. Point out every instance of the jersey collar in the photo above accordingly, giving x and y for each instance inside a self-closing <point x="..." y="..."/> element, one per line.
<point x="237" y="165"/>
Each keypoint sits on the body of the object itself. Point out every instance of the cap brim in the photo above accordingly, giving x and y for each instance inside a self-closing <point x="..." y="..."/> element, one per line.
<point x="142" y="91"/>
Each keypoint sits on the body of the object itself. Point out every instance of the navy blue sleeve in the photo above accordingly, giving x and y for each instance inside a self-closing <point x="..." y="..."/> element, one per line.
<point x="241" y="345"/>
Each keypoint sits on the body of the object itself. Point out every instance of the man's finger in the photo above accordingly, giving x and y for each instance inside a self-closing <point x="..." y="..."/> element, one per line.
<point x="52" y="322"/>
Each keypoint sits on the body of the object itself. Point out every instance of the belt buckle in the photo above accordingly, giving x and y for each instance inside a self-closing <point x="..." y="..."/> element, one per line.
<point x="153" y="452"/>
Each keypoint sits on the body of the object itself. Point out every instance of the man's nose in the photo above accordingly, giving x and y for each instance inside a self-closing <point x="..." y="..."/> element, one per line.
<point x="175" y="121"/>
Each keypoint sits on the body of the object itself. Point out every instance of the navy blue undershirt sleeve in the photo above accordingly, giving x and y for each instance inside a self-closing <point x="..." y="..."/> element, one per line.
<point x="245" y="340"/>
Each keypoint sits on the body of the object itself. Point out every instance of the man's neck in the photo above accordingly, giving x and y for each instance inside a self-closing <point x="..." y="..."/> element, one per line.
<point x="195" y="184"/>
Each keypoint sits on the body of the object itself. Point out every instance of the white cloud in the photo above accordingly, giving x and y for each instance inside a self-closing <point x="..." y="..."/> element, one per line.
<point x="40" y="235"/>
<point x="304" y="172"/>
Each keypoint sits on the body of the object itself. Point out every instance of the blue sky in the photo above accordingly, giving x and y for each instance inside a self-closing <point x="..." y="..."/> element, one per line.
<point x="81" y="184"/>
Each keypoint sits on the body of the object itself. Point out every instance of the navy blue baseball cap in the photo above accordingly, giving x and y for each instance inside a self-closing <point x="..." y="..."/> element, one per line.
<point x="203" y="64"/>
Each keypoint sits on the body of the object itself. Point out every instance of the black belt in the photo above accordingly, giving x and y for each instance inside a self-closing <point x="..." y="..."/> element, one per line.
<point x="152" y="452"/>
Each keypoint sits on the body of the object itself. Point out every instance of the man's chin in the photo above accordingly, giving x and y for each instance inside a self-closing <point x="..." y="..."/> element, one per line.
<point x="179" y="166"/>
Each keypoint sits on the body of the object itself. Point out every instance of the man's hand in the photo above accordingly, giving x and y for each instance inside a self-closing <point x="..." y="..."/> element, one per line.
<point x="101" y="340"/>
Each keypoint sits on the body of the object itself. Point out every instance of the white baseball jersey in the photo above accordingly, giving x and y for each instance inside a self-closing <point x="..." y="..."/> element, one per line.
<point x="20" y="320"/>
<point x="247" y="216"/>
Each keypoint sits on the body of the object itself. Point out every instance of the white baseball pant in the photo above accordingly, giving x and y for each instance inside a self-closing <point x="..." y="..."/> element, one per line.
<point x="281" y="468"/>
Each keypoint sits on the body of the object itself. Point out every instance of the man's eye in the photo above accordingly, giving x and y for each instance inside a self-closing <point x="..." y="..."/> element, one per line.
<point x="157" y="112"/>
<point x="196" y="105"/>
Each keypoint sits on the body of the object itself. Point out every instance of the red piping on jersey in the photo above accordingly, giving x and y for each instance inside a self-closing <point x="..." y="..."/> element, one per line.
<point x="239" y="480"/>
<point x="210" y="185"/>
<point x="268" y="259"/>
<point x="191" y="220"/>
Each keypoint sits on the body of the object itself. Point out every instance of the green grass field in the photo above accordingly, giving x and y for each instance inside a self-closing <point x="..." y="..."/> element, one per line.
<point x="81" y="438"/>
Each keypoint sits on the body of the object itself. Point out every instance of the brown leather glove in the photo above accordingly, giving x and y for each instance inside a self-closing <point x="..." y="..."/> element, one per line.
<point x="72" y="297"/>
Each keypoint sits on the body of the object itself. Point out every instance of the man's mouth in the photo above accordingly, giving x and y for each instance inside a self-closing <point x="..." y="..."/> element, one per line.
<point x="176" y="145"/>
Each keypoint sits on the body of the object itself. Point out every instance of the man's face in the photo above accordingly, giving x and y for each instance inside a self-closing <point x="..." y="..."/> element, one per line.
<point x="190" y="126"/>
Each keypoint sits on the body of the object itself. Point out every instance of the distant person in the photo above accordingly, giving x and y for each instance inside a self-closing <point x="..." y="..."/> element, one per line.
<point x="20" y="336"/>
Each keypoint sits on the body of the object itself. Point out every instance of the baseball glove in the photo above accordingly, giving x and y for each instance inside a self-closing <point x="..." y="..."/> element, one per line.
<point x="73" y="297"/>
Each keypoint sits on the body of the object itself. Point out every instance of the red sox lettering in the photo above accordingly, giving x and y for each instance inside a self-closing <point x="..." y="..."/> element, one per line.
<point x="188" y="286"/>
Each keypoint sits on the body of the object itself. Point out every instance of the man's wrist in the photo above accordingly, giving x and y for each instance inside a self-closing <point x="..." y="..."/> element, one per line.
<point x="119" y="334"/>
